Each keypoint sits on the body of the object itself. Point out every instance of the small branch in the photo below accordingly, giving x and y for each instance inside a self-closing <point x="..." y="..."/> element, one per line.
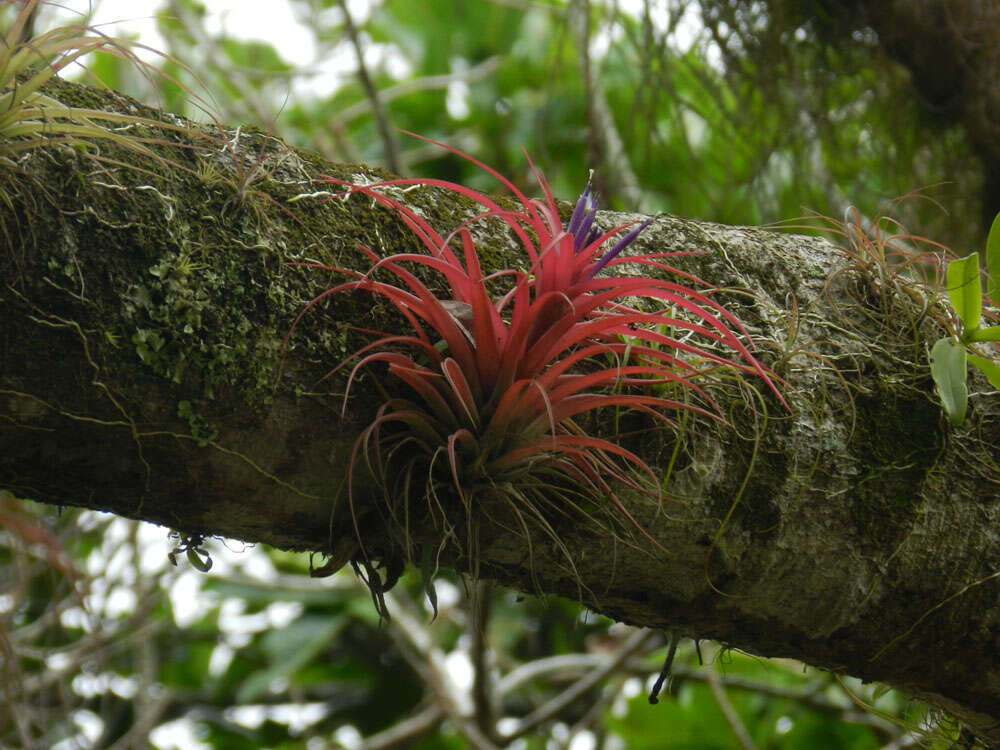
<point x="593" y="719"/>
<point x="419" y="649"/>
<point x="151" y="714"/>
<point x="732" y="717"/>
<point x="482" y="697"/>
<point x="403" y="733"/>
<point x="604" y="144"/>
<point x="476" y="73"/>
<point x="378" y="108"/>
<point x="810" y="697"/>
<point x="559" y="703"/>
<point x="208" y="52"/>
<point x="586" y="72"/>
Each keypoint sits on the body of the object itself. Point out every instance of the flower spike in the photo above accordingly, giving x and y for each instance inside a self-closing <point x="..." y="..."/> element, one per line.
<point x="583" y="217"/>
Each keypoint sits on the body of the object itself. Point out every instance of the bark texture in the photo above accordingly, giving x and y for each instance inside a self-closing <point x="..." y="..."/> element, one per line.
<point x="142" y="373"/>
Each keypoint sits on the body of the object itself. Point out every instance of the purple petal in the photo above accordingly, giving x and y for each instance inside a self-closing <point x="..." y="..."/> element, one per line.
<point x="592" y="236"/>
<point x="583" y="216"/>
<point x="584" y="235"/>
<point x="624" y="242"/>
<point x="581" y="207"/>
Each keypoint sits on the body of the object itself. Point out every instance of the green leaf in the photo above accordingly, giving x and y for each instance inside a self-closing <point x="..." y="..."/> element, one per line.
<point x="965" y="292"/>
<point x="986" y="334"/>
<point x="257" y="56"/>
<point x="290" y="648"/>
<point x="879" y="691"/>
<point x="993" y="260"/>
<point x="987" y="368"/>
<point x="204" y="565"/>
<point x="948" y="360"/>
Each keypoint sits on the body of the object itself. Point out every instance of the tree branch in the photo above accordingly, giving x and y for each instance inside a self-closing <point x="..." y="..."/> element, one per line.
<point x="142" y="372"/>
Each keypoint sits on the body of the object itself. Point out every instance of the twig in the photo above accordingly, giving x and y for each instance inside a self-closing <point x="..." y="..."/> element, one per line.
<point x="335" y="137"/>
<point x="481" y="694"/>
<point x="732" y="718"/>
<point x="378" y="108"/>
<point x="403" y="733"/>
<point x="603" y="139"/>
<point x="559" y="703"/>
<point x="586" y="72"/>
<point x="476" y="73"/>
<point x="208" y="50"/>
<point x="418" y="648"/>
<point x="147" y="720"/>
<point x="675" y="638"/>
<point x="592" y="720"/>
<point x="810" y="697"/>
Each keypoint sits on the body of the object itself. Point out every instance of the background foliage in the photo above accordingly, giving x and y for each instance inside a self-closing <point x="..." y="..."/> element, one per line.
<point x="730" y="112"/>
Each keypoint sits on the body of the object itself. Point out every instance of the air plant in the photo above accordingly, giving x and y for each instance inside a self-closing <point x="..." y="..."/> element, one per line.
<point x="497" y="387"/>
<point x="238" y="169"/>
<point x="31" y="117"/>
<point x="910" y="271"/>
<point x="28" y="117"/>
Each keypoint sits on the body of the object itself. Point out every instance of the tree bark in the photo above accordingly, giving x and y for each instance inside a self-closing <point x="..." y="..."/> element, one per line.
<point x="142" y="372"/>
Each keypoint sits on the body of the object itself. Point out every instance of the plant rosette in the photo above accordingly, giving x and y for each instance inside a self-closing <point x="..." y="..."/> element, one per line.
<point x="496" y="387"/>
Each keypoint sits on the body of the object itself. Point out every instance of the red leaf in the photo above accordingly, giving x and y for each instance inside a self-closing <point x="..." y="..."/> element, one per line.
<point x="463" y="393"/>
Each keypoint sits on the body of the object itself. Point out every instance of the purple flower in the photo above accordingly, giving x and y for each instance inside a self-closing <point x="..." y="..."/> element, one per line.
<point x="624" y="242"/>
<point x="582" y="220"/>
<point x="584" y="233"/>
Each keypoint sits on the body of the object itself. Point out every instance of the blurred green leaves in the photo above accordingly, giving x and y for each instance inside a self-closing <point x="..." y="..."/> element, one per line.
<point x="288" y="650"/>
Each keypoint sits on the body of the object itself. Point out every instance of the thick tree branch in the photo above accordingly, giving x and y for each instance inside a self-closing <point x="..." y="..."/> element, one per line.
<point x="142" y="373"/>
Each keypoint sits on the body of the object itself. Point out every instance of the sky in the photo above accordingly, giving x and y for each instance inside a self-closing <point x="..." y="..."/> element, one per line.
<point x="239" y="18"/>
<point x="293" y="39"/>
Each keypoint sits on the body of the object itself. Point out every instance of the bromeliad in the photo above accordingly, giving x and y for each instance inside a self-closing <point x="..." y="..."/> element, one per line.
<point x="496" y="386"/>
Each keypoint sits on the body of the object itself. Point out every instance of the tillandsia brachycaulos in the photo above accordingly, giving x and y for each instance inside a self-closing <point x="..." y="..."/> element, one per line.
<point x="497" y="386"/>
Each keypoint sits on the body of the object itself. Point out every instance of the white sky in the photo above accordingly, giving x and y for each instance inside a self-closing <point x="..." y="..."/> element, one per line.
<point x="273" y="21"/>
<point x="239" y="18"/>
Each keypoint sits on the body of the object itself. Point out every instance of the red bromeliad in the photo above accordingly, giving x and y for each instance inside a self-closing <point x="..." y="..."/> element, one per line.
<point x="497" y="385"/>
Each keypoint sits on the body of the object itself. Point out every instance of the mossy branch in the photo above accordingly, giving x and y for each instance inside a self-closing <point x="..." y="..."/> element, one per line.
<point x="864" y="539"/>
